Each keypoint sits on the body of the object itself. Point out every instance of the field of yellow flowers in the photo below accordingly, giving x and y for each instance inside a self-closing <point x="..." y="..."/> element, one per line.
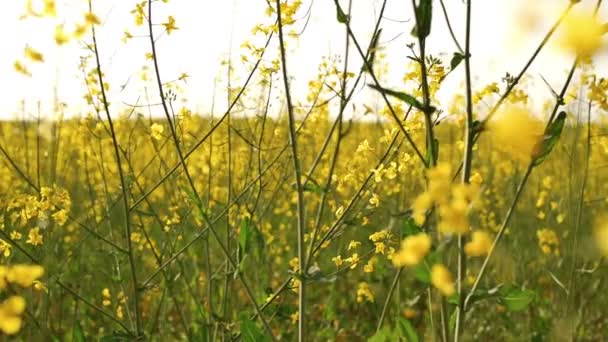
<point x="485" y="219"/>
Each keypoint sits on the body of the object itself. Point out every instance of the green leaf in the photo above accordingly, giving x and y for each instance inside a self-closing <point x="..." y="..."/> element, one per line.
<point x="409" y="99"/>
<point x="383" y="335"/>
<point x="422" y="273"/>
<point x="456" y="59"/>
<point x="424" y="16"/>
<point x="250" y="332"/>
<point x="200" y="332"/>
<point x="410" y="227"/>
<point x="544" y="147"/>
<point x="244" y="234"/>
<point x="340" y="15"/>
<point x="517" y="300"/>
<point x="406" y="330"/>
<point x="78" y="333"/>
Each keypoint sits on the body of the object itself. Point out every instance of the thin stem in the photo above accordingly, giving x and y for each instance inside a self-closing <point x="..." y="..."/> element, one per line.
<point x="298" y="180"/>
<point x="466" y="174"/>
<point x="387" y="301"/>
<point x="123" y="186"/>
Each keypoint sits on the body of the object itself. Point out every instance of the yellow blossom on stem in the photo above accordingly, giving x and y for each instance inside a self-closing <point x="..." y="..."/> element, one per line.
<point x="170" y="25"/>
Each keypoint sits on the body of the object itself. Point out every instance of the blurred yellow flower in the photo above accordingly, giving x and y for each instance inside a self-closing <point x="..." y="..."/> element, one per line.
<point x="479" y="245"/>
<point x="548" y="241"/>
<point x="21" y="68"/>
<point x="33" y="55"/>
<point x="156" y="130"/>
<point x="91" y="19"/>
<point x="61" y="37"/>
<point x="23" y="275"/>
<point x="364" y="293"/>
<point x="413" y="250"/>
<point x="516" y="131"/>
<point x="582" y="35"/>
<point x="442" y="279"/>
<point x="10" y="314"/>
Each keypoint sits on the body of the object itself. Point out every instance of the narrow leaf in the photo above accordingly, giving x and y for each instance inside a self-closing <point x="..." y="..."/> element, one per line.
<point x="409" y="99"/>
<point x="340" y="15"/>
<point x="544" y="147"/>
<point x="78" y="333"/>
<point x="456" y="59"/>
<point x="250" y="332"/>
<point x="424" y="16"/>
<point x="406" y="330"/>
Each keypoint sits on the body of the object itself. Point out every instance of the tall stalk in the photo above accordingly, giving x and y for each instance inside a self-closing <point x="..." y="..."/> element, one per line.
<point x="123" y="186"/>
<point x="466" y="174"/>
<point x="298" y="180"/>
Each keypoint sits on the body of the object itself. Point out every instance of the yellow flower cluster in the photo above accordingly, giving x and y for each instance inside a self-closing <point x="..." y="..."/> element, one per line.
<point x="453" y="201"/>
<point x="364" y="293"/>
<point x="548" y="241"/>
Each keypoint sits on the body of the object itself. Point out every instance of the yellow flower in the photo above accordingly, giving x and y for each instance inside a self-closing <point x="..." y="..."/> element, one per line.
<point x="353" y="244"/>
<point x="15" y="235"/>
<point x="21" y="68"/>
<point x="479" y="245"/>
<point x="442" y="279"/>
<point x="421" y="204"/>
<point x="374" y="200"/>
<point x="364" y="293"/>
<point x="33" y="55"/>
<point x="582" y="35"/>
<point x="170" y="25"/>
<point x="49" y="8"/>
<point x="10" y="314"/>
<point x="413" y="250"/>
<point x="5" y="248"/>
<point x="156" y="130"/>
<point x="548" y="241"/>
<point x="91" y="19"/>
<point x="34" y="237"/>
<point x="24" y="275"/>
<point x="40" y="286"/>
<point x="80" y="31"/>
<point x="516" y="131"/>
<point x="60" y="36"/>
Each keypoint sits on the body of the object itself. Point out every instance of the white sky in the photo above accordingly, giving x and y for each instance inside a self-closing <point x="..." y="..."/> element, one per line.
<point x="204" y="38"/>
